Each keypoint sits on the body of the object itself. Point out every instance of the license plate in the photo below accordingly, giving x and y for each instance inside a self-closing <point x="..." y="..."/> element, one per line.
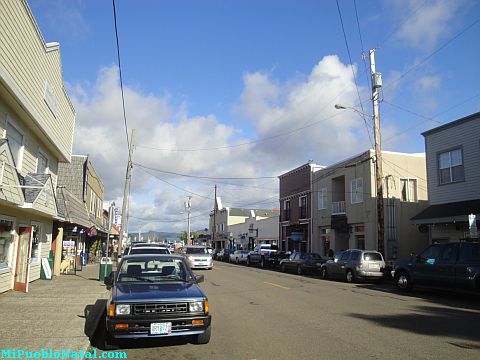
<point x="374" y="267"/>
<point x="160" y="328"/>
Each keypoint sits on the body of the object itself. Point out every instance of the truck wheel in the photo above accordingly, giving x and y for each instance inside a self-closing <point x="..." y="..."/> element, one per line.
<point x="299" y="270"/>
<point x="349" y="276"/>
<point x="262" y="262"/>
<point x="403" y="281"/>
<point x="324" y="273"/>
<point x="203" y="338"/>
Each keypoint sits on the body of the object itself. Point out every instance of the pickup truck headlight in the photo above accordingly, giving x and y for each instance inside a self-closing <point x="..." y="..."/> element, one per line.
<point x="122" y="309"/>
<point x="196" y="306"/>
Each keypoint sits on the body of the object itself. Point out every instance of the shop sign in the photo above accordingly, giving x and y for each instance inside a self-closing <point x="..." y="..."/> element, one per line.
<point x="46" y="268"/>
<point x="68" y="244"/>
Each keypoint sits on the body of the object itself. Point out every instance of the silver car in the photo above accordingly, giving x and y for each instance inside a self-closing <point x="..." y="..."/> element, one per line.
<point x="354" y="264"/>
<point x="198" y="257"/>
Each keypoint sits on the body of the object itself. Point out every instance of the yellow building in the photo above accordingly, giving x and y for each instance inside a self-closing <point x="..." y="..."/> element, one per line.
<point x="36" y="133"/>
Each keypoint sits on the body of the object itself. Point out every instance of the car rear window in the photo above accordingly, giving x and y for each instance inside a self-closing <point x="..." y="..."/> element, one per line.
<point x="148" y="251"/>
<point x="196" y="251"/>
<point x="372" y="256"/>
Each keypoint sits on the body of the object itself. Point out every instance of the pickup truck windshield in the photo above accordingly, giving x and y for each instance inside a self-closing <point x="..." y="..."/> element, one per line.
<point x="152" y="270"/>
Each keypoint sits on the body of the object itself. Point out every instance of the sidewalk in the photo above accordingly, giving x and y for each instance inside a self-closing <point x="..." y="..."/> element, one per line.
<point x="52" y="314"/>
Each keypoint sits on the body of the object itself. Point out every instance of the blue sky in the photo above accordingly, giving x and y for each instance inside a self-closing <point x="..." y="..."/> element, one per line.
<point x="222" y="75"/>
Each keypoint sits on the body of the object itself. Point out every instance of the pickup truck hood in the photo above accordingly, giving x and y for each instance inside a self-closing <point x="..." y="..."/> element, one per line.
<point x="142" y="292"/>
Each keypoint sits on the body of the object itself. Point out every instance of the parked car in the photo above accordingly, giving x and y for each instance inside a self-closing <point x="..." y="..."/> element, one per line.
<point x="198" y="257"/>
<point x="454" y="265"/>
<point x="239" y="256"/>
<point x="225" y="255"/>
<point x="148" y="250"/>
<point x="302" y="263"/>
<point x="156" y="296"/>
<point x="215" y="253"/>
<point x="265" y="255"/>
<point x="354" y="264"/>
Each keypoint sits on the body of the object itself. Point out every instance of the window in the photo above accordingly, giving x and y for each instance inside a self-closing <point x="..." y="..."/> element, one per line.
<point x="345" y="255"/>
<point x="286" y="210"/>
<point x="6" y="243"/>
<point x="355" y="255"/>
<point x="15" y="141"/>
<point x="356" y="188"/>
<point x="408" y="188"/>
<point x="303" y="207"/>
<point x="322" y="199"/>
<point x="36" y="241"/>
<point x="450" y="166"/>
<point x="360" y="241"/>
<point x="42" y="163"/>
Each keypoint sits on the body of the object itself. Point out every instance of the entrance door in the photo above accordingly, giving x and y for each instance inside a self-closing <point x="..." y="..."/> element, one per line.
<point x="23" y="257"/>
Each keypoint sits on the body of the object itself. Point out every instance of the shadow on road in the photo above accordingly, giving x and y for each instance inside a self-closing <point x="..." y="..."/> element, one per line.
<point x="459" y="325"/>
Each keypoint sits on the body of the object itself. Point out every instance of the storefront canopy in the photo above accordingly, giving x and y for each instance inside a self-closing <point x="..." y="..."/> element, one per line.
<point x="447" y="213"/>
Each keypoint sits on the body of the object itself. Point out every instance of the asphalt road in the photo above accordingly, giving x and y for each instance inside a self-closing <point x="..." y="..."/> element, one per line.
<point x="264" y="314"/>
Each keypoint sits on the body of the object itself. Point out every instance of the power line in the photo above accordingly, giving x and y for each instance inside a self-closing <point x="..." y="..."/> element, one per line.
<point x="353" y="73"/>
<point x="363" y="48"/>
<point x="120" y="74"/>
<point x="426" y="58"/>
<point x="205" y="177"/>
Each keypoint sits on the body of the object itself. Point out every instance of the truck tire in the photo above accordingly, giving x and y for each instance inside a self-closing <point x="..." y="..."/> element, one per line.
<point x="262" y="262"/>
<point x="403" y="282"/>
<point x="203" y="338"/>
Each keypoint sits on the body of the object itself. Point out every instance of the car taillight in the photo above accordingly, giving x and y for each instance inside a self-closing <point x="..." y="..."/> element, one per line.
<point x="360" y="265"/>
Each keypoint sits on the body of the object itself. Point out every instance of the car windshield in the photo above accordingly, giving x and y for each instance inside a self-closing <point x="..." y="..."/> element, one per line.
<point x="196" y="251"/>
<point x="314" y="257"/>
<point x="150" y="250"/>
<point x="151" y="269"/>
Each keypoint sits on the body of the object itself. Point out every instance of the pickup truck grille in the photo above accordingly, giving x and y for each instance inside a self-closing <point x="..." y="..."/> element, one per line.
<point x="160" y="308"/>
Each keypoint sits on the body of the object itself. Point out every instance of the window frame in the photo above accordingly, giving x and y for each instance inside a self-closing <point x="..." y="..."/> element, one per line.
<point x="408" y="179"/>
<point x="356" y="192"/>
<point x="322" y="199"/>
<point x="44" y="154"/>
<point x="303" y="208"/>
<point x="449" y="151"/>
<point x="10" y="121"/>
<point x="10" y="256"/>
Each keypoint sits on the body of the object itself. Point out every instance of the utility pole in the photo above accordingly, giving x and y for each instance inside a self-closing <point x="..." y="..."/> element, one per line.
<point x="188" y="207"/>
<point x="214" y="214"/>
<point x="376" y="85"/>
<point x="126" y="190"/>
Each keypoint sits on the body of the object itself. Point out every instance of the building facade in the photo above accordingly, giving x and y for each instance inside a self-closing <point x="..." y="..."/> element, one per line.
<point x="256" y="230"/>
<point x="453" y="173"/>
<point x="36" y="133"/>
<point x="224" y="217"/>
<point x="295" y="227"/>
<point x="345" y="214"/>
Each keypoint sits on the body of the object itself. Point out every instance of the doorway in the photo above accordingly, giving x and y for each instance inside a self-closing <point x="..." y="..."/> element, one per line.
<point x="23" y="258"/>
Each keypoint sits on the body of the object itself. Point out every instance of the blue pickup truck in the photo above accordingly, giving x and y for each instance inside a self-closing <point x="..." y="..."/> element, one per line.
<point x="454" y="265"/>
<point x="156" y="296"/>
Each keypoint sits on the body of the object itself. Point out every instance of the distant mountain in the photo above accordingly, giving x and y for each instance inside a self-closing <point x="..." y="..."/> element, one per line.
<point x="153" y="235"/>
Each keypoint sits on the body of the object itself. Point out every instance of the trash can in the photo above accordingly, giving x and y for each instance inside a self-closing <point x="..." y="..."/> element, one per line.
<point x="105" y="268"/>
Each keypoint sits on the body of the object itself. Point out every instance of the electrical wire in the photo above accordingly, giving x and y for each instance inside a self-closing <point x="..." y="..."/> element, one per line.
<point x="205" y="177"/>
<point x="120" y="74"/>
<point x="353" y="73"/>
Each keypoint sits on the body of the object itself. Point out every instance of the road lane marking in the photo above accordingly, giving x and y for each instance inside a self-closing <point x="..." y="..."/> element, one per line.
<point x="280" y="286"/>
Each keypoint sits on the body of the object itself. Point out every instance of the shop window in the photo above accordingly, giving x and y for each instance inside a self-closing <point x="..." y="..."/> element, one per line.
<point x="6" y="243"/>
<point x="36" y="241"/>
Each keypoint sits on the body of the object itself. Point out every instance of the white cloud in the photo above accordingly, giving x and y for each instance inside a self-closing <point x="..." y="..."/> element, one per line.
<point x="428" y="83"/>
<point x="428" y="23"/>
<point x="328" y="135"/>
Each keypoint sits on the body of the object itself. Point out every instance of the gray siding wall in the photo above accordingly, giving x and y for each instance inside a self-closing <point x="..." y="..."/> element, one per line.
<point x="467" y="136"/>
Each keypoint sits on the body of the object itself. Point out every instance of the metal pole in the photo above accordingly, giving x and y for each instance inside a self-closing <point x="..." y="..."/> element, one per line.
<point x="214" y="216"/>
<point x="376" y="84"/>
<point x="128" y="177"/>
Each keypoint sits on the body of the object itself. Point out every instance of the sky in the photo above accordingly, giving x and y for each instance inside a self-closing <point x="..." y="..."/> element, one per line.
<point x="234" y="93"/>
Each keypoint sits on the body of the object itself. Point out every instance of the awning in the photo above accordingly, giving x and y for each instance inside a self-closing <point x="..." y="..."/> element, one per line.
<point x="448" y="213"/>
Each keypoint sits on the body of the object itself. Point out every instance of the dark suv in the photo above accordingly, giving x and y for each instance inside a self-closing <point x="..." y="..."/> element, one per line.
<point x="453" y="265"/>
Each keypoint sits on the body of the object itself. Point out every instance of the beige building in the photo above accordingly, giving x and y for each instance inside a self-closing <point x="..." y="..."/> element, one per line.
<point x="36" y="133"/>
<point x="256" y="230"/>
<point x="344" y="204"/>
